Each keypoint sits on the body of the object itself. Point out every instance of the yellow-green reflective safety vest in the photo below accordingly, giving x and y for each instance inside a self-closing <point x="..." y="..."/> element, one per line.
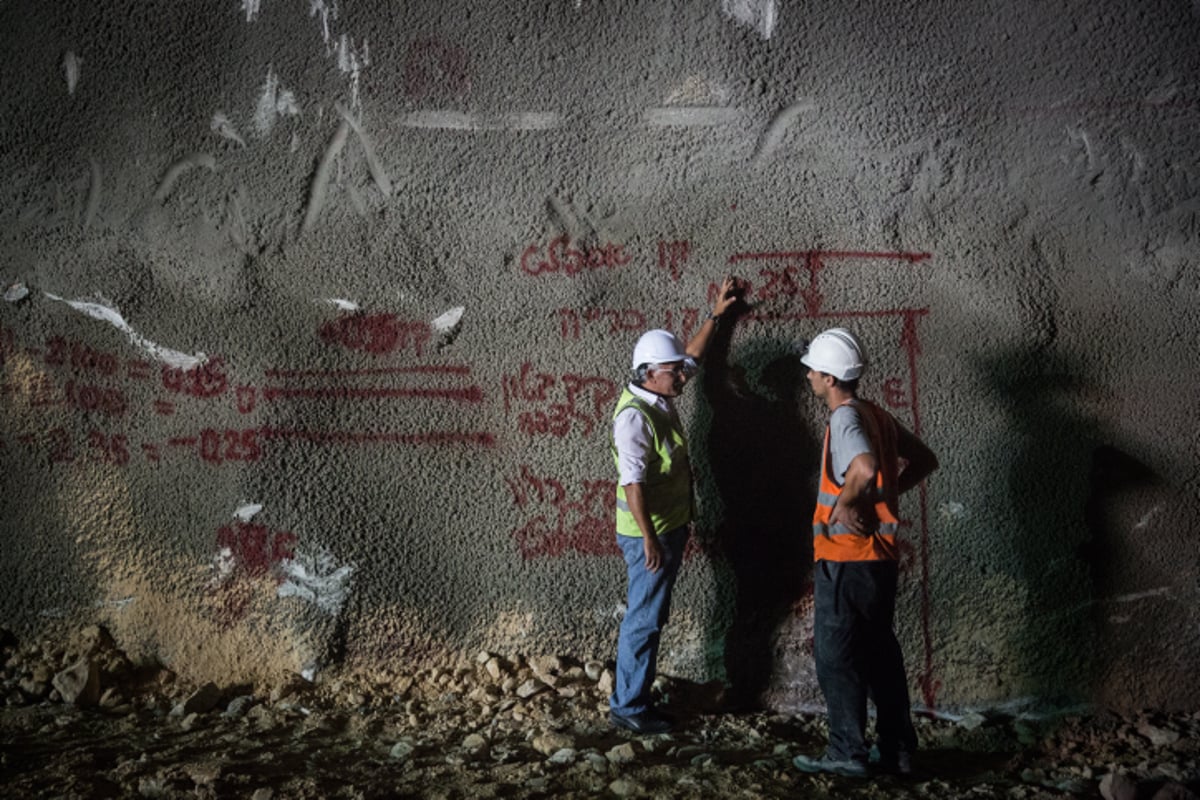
<point x="667" y="487"/>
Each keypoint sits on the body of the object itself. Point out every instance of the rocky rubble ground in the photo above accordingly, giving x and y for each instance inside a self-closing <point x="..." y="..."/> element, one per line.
<point x="82" y="721"/>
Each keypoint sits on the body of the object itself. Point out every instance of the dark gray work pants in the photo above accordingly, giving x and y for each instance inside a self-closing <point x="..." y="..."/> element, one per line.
<point x="856" y="654"/>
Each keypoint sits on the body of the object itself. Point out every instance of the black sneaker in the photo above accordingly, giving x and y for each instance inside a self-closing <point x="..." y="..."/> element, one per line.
<point x="848" y="768"/>
<point x="893" y="764"/>
<point x="642" y="722"/>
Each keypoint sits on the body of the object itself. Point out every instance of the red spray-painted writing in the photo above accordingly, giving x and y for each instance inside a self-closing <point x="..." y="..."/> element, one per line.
<point x="560" y="257"/>
<point x="584" y="524"/>
<point x="586" y="401"/>
<point x="256" y="548"/>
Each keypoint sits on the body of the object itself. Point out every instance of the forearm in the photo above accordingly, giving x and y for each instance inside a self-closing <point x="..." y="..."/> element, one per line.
<point x="700" y="339"/>
<point x="636" y="500"/>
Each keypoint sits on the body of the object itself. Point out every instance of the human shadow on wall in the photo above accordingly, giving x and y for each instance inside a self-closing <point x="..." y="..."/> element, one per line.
<point x="1046" y="476"/>
<point x="761" y="458"/>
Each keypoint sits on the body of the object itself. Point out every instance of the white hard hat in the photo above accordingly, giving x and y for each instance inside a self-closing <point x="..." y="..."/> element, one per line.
<point x="835" y="352"/>
<point x="658" y="347"/>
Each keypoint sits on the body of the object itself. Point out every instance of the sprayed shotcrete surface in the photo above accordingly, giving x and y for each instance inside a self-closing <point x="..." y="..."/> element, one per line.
<point x="315" y="314"/>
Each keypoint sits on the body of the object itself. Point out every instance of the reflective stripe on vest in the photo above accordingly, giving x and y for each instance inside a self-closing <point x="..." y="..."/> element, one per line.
<point x="667" y="485"/>
<point x="837" y="542"/>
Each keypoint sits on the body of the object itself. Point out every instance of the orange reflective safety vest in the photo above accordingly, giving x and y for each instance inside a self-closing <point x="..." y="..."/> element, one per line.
<point x="839" y="543"/>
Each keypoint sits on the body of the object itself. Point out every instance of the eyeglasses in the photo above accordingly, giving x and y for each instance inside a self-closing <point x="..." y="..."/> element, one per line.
<point x="678" y="368"/>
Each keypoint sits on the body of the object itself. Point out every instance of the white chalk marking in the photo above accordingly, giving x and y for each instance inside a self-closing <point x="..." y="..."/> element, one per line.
<point x="691" y="116"/>
<point x="773" y="133"/>
<point x="223" y="564"/>
<point x="70" y="64"/>
<point x="952" y="509"/>
<point x="446" y="322"/>
<point x="761" y="16"/>
<point x="465" y="121"/>
<point x="120" y="604"/>
<point x="104" y="313"/>
<point x="17" y="291"/>
<point x="221" y="126"/>
<point x="251" y="8"/>
<point x="318" y="580"/>
<point x="340" y="303"/>
<point x="1129" y="598"/>
<point x="1145" y="520"/>
<point x="246" y="512"/>
<point x="316" y="7"/>
<point x="274" y="101"/>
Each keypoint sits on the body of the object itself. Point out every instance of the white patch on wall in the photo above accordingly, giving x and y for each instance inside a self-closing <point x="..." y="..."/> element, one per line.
<point x="246" y="512"/>
<point x="466" y="121"/>
<point x="340" y="303"/>
<point x="952" y="510"/>
<point x="70" y="65"/>
<point x="274" y="102"/>
<point x="223" y="566"/>
<point x="221" y="126"/>
<point x="351" y="60"/>
<point x="110" y="315"/>
<point x="251" y="8"/>
<point x="691" y="116"/>
<point x="16" y="292"/>
<point x="760" y="16"/>
<point x="445" y="323"/>
<point x="1145" y="520"/>
<point x="325" y="11"/>
<point x="317" y="579"/>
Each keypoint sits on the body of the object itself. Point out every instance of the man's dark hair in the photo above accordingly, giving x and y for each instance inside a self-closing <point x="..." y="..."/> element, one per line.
<point x="850" y="386"/>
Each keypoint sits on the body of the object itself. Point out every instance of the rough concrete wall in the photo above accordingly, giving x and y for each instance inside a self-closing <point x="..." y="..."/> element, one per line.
<point x="240" y="294"/>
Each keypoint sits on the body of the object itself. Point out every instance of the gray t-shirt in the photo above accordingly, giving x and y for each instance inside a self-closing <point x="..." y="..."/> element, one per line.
<point x="847" y="439"/>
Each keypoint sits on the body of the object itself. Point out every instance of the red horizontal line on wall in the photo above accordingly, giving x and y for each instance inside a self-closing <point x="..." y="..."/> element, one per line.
<point x="912" y="258"/>
<point x="377" y="437"/>
<point x="469" y="394"/>
<point x="891" y="312"/>
<point x="183" y="441"/>
<point x="430" y="369"/>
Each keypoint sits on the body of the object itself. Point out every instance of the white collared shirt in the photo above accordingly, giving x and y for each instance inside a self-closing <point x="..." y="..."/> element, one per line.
<point x="633" y="437"/>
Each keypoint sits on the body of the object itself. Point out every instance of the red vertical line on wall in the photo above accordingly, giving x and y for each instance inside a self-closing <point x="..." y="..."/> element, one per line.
<point x="911" y="342"/>
<point x="900" y="255"/>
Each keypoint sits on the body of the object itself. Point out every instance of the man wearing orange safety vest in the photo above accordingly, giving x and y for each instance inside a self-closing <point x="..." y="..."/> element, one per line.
<point x="867" y="462"/>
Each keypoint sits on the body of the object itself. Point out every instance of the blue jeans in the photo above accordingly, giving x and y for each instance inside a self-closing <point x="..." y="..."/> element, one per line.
<point x="648" y="606"/>
<point x="857" y="654"/>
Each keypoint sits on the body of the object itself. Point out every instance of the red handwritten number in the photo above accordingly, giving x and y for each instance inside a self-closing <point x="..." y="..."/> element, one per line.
<point x="217" y="447"/>
<point x="112" y="450"/>
<point x="894" y="393"/>
<point x="205" y="380"/>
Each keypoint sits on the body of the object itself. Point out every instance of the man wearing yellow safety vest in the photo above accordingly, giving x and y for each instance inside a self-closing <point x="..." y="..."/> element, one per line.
<point x="867" y="462"/>
<point x="654" y="506"/>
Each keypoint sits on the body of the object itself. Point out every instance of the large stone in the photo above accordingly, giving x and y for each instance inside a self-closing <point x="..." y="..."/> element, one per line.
<point x="202" y="700"/>
<point x="1118" y="786"/>
<point x="606" y="683"/>
<point x="531" y="687"/>
<point x="621" y="754"/>
<point x="79" y="684"/>
<point x="1174" y="791"/>
<point x="1159" y="737"/>
<point x="551" y="742"/>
